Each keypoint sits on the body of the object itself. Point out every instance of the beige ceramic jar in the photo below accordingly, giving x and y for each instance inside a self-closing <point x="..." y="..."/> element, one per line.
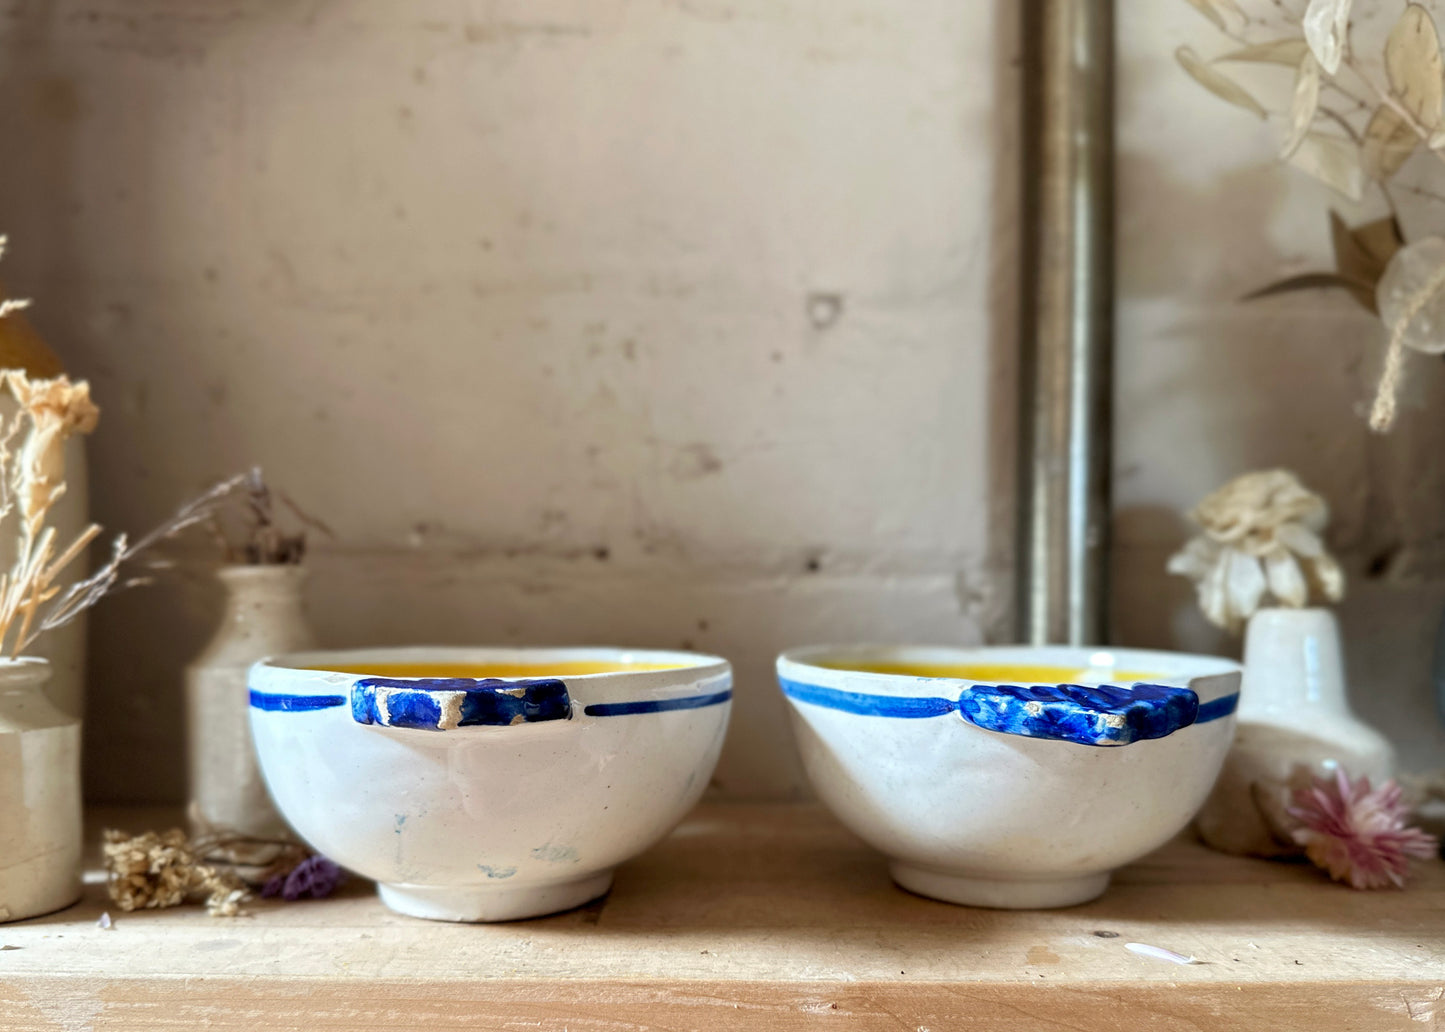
<point x="40" y="819"/>
<point x="263" y="617"/>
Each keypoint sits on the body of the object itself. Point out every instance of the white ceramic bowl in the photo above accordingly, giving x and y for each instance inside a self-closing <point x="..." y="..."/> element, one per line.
<point x="487" y="784"/>
<point x="993" y="776"/>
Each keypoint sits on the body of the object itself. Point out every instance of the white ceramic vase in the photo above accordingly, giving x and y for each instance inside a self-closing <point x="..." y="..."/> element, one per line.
<point x="1294" y="719"/>
<point x="264" y="616"/>
<point x="40" y="829"/>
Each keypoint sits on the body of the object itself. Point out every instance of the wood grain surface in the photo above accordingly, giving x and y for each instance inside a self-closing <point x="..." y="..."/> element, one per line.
<point x="768" y="917"/>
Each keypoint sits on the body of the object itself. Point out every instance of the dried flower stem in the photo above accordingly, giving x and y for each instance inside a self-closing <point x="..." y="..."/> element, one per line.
<point x="263" y="541"/>
<point x="1382" y="415"/>
<point x="9" y="305"/>
<point x="86" y="593"/>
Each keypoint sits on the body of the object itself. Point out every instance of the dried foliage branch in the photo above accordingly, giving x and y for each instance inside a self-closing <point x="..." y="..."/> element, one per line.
<point x="32" y="481"/>
<point x="83" y="594"/>
<point x="1352" y="123"/>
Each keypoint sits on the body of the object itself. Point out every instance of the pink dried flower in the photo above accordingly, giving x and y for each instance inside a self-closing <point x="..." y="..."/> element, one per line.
<point x="1357" y="834"/>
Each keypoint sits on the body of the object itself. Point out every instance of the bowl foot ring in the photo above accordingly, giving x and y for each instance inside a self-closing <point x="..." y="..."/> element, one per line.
<point x="492" y="903"/>
<point x="1001" y="893"/>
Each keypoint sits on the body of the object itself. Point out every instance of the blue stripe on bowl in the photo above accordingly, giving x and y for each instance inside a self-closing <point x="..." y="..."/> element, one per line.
<point x="1105" y="715"/>
<point x="867" y="705"/>
<point x="277" y="703"/>
<point x="274" y="702"/>
<point x="623" y="709"/>
<point x="1217" y="709"/>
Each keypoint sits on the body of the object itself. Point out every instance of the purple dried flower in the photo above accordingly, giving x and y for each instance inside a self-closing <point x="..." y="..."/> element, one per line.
<point x="315" y="876"/>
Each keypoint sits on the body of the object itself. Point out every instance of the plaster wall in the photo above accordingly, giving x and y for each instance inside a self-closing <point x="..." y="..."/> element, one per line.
<point x="677" y="322"/>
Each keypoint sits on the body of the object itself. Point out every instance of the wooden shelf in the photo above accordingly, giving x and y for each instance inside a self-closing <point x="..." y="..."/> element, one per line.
<point x="758" y="917"/>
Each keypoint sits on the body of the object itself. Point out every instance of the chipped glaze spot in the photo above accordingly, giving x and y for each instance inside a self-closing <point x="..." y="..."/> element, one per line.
<point x="555" y="854"/>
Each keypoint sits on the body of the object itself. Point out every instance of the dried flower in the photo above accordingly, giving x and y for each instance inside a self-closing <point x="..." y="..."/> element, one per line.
<point x="58" y="409"/>
<point x="263" y="540"/>
<point x="1357" y="834"/>
<point x="34" y="479"/>
<point x="315" y="876"/>
<point x="158" y="870"/>
<point x="1261" y="542"/>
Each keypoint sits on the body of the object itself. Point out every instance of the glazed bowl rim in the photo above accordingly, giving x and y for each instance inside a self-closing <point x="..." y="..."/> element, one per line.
<point x="1181" y="667"/>
<point x="307" y="669"/>
<point x="314" y="661"/>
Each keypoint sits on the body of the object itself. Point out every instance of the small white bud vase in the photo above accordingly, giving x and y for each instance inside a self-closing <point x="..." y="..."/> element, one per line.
<point x="1294" y="718"/>
<point x="40" y="829"/>
<point x="263" y="617"/>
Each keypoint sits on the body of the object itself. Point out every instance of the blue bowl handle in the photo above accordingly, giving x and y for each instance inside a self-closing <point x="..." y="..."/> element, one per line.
<point x="448" y="703"/>
<point x="1103" y="715"/>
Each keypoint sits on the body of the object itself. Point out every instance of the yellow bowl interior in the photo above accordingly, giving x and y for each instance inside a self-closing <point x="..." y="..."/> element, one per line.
<point x="574" y="668"/>
<point x="1002" y="673"/>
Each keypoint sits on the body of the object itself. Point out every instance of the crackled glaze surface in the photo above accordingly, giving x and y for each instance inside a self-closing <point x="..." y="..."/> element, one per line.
<point x="997" y="792"/>
<point x="484" y="799"/>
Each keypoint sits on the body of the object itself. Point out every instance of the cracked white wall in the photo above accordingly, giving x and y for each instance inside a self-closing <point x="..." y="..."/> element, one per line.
<point x="654" y="323"/>
<point x="667" y="322"/>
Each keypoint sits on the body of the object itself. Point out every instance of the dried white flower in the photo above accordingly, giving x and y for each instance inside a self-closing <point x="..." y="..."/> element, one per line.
<point x="58" y="409"/>
<point x="1261" y="544"/>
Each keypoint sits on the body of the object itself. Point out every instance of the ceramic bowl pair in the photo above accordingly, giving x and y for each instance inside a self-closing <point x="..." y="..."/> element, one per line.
<point x="491" y="784"/>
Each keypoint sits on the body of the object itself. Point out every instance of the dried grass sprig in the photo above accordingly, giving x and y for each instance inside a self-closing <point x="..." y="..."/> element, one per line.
<point x="33" y="479"/>
<point x="83" y="594"/>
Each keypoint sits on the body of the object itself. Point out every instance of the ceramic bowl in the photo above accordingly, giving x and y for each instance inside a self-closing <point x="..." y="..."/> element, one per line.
<point x="1010" y="777"/>
<point x="487" y="784"/>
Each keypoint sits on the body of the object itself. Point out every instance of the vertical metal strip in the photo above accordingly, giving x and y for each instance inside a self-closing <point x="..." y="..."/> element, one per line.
<point x="1066" y="320"/>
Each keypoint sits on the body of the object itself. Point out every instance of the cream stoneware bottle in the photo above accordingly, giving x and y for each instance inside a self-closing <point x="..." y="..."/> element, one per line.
<point x="40" y="819"/>
<point x="263" y="617"/>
